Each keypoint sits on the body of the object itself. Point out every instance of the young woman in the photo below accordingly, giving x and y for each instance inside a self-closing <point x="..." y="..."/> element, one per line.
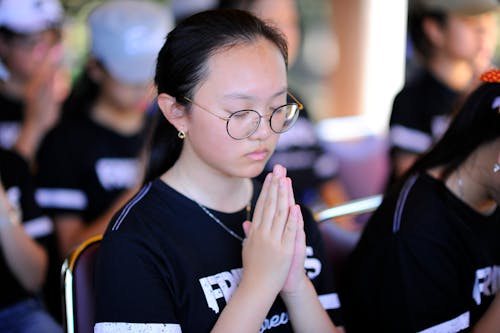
<point x="429" y="258"/>
<point x="201" y="247"/>
<point x="88" y="165"/>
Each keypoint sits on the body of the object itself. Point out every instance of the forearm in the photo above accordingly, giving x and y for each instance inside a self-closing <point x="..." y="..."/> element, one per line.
<point x="27" y="259"/>
<point x="44" y="93"/>
<point x="490" y="321"/>
<point x="305" y="310"/>
<point x="246" y="310"/>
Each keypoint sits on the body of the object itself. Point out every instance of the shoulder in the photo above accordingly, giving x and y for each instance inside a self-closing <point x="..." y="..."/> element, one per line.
<point x="139" y="208"/>
<point x="413" y="94"/>
<point x="416" y="210"/>
<point x="418" y="205"/>
<point x="409" y="102"/>
<point x="407" y="223"/>
<point x="128" y="238"/>
<point x="422" y="199"/>
<point x="153" y="209"/>
<point x="145" y="227"/>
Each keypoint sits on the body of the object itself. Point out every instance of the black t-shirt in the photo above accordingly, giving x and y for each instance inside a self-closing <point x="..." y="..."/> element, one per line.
<point x="165" y="264"/>
<point x="431" y="263"/>
<point x="11" y="117"/>
<point x="83" y="167"/>
<point x="421" y="113"/>
<point x="19" y="187"/>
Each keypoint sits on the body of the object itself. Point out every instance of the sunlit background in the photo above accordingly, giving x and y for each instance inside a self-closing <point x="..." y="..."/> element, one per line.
<point x="352" y="62"/>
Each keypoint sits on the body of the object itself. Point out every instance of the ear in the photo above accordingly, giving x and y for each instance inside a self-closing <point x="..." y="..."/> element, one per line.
<point x="433" y="31"/>
<point x="173" y="111"/>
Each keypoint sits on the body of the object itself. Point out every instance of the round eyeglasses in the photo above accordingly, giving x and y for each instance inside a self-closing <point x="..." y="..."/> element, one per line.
<point x="241" y="124"/>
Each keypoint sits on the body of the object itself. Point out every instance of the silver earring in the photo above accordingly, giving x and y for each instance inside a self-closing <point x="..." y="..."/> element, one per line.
<point x="181" y="134"/>
<point x="496" y="168"/>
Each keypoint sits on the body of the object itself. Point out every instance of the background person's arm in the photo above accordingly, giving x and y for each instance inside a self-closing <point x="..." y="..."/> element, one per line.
<point x="26" y="258"/>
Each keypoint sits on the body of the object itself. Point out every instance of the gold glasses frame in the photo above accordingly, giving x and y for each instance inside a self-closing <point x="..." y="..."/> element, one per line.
<point x="299" y="105"/>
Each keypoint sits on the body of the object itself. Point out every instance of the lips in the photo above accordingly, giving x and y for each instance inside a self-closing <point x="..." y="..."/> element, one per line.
<point x="258" y="155"/>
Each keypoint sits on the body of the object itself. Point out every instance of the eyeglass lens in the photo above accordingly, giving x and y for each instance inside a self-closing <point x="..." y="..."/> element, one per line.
<point x="244" y="123"/>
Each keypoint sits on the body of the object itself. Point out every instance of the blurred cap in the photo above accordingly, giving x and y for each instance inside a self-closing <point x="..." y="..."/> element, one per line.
<point x="30" y="16"/>
<point x="126" y="36"/>
<point x="465" y="7"/>
<point x="184" y="8"/>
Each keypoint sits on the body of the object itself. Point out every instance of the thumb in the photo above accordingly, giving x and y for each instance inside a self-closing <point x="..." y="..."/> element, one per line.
<point x="247" y="225"/>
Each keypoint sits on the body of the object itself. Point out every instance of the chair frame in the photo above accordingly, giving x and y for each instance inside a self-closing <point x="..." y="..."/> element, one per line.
<point x="67" y="275"/>
<point x="339" y="241"/>
<point x="353" y="207"/>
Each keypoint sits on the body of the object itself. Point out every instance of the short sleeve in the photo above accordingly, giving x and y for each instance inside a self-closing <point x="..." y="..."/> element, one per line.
<point x="131" y="286"/>
<point x="20" y="188"/>
<point x="409" y="130"/>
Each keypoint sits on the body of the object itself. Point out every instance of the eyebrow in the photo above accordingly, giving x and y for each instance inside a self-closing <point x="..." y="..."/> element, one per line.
<point x="248" y="97"/>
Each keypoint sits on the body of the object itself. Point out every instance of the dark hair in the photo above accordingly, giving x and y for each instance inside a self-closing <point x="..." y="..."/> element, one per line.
<point x="182" y="66"/>
<point x="8" y="34"/>
<point x="421" y="42"/>
<point x="475" y="124"/>
<point x="238" y="4"/>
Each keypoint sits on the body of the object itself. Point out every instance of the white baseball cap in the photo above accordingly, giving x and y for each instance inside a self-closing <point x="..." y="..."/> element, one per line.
<point x="126" y="36"/>
<point x="30" y="16"/>
<point x="184" y="8"/>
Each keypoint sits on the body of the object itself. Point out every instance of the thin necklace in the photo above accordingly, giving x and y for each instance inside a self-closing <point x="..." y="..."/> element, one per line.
<point x="219" y="222"/>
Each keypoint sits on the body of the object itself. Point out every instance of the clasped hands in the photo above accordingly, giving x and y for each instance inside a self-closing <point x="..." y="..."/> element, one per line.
<point x="274" y="249"/>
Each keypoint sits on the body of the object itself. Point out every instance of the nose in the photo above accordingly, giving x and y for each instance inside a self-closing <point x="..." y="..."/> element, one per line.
<point x="264" y="129"/>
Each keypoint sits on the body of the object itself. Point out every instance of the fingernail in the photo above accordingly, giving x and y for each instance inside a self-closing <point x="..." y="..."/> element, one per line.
<point x="277" y="170"/>
<point x="299" y="212"/>
<point x="283" y="182"/>
<point x="268" y="177"/>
